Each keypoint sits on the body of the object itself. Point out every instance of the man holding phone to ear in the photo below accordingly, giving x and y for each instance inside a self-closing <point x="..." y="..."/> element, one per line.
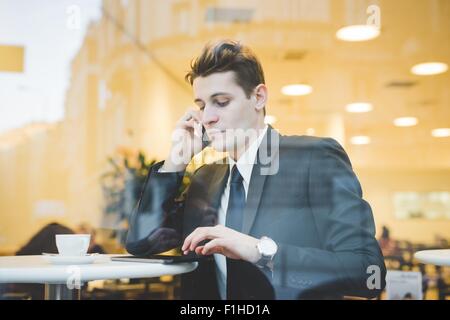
<point x="282" y="218"/>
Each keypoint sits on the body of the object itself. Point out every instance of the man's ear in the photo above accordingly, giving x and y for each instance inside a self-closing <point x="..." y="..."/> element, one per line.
<point x="260" y="97"/>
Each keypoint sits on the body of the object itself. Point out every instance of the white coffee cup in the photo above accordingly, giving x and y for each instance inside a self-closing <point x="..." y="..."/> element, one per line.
<point x="72" y="244"/>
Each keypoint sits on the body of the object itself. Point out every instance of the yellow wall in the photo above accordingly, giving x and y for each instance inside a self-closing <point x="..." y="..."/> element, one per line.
<point x="378" y="188"/>
<point x="31" y="171"/>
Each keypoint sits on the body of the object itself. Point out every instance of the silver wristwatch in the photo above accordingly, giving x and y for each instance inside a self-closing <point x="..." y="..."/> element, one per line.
<point x="267" y="249"/>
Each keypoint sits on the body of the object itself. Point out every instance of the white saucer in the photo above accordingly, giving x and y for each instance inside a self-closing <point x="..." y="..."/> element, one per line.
<point x="58" y="259"/>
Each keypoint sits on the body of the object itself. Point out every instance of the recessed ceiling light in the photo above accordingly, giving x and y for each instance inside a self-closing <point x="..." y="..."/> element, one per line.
<point x="441" y="132"/>
<point x="360" y="140"/>
<point x="405" y="122"/>
<point x="296" y="89"/>
<point x="359" y="107"/>
<point x="429" y="68"/>
<point x="270" y="119"/>
<point x="362" y="32"/>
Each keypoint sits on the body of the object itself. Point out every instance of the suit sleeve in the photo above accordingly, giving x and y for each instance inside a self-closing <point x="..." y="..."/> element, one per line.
<point x="344" y="221"/>
<point x="155" y="225"/>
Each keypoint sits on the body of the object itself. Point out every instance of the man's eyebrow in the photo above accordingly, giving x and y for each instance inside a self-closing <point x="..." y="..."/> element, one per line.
<point x="212" y="96"/>
<point x="219" y="94"/>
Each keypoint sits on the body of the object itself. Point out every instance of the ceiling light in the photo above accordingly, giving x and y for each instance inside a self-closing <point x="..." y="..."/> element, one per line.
<point x="405" y="122"/>
<point x="429" y="68"/>
<point x="359" y="107"/>
<point x="360" y="140"/>
<point x="296" y="89"/>
<point x="441" y="132"/>
<point x="361" y="32"/>
<point x="270" y="119"/>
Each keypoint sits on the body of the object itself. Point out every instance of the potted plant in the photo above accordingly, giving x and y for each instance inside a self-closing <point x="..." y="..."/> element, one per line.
<point x="121" y="187"/>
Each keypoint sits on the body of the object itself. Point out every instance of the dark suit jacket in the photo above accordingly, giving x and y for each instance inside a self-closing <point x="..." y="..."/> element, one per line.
<point x="311" y="205"/>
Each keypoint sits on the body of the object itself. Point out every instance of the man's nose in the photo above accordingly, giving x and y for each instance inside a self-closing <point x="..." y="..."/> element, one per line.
<point x="209" y="117"/>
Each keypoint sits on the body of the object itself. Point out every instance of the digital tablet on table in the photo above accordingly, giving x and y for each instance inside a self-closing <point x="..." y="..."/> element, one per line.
<point x="157" y="258"/>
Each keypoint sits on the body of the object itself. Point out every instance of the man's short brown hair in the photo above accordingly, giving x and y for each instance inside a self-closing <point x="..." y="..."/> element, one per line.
<point x="228" y="55"/>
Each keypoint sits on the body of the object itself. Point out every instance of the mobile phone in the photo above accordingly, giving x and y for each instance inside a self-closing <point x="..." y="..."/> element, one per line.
<point x="205" y="140"/>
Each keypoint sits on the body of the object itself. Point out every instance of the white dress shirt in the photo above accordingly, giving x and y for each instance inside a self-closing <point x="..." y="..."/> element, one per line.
<point x="245" y="166"/>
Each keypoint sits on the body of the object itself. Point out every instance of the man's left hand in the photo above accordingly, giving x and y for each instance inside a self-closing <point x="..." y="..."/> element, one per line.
<point x="226" y="241"/>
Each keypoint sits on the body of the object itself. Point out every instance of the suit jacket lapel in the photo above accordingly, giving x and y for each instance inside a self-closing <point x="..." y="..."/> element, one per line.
<point x="217" y="185"/>
<point x="220" y="177"/>
<point x="253" y="198"/>
<point x="257" y="181"/>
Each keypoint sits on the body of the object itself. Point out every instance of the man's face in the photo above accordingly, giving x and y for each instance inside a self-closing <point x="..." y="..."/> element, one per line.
<point x="225" y="107"/>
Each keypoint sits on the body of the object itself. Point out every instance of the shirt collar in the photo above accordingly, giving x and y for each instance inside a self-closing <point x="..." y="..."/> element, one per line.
<point x="247" y="160"/>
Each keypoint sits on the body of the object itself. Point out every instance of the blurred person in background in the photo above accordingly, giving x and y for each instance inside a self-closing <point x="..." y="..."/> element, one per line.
<point x="43" y="241"/>
<point x="94" y="247"/>
<point x="388" y="246"/>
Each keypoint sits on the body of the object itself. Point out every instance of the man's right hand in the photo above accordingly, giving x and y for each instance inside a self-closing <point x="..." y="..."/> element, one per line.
<point x="186" y="142"/>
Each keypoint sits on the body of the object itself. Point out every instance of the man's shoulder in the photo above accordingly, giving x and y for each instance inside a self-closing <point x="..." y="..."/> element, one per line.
<point x="288" y="145"/>
<point x="318" y="150"/>
<point x="307" y="143"/>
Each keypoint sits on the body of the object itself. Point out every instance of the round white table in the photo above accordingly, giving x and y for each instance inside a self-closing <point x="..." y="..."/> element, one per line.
<point x="62" y="282"/>
<point x="436" y="257"/>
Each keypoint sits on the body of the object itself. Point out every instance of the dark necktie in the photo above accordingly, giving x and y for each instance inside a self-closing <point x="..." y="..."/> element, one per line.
<point x="236" y="201"/>
<point x="234" y="217"/>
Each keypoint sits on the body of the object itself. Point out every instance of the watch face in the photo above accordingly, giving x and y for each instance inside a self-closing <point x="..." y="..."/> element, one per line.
<point x="268" y="247"/>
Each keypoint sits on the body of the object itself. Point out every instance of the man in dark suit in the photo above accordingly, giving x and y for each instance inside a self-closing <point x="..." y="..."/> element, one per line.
<point x="283" y="217"/>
